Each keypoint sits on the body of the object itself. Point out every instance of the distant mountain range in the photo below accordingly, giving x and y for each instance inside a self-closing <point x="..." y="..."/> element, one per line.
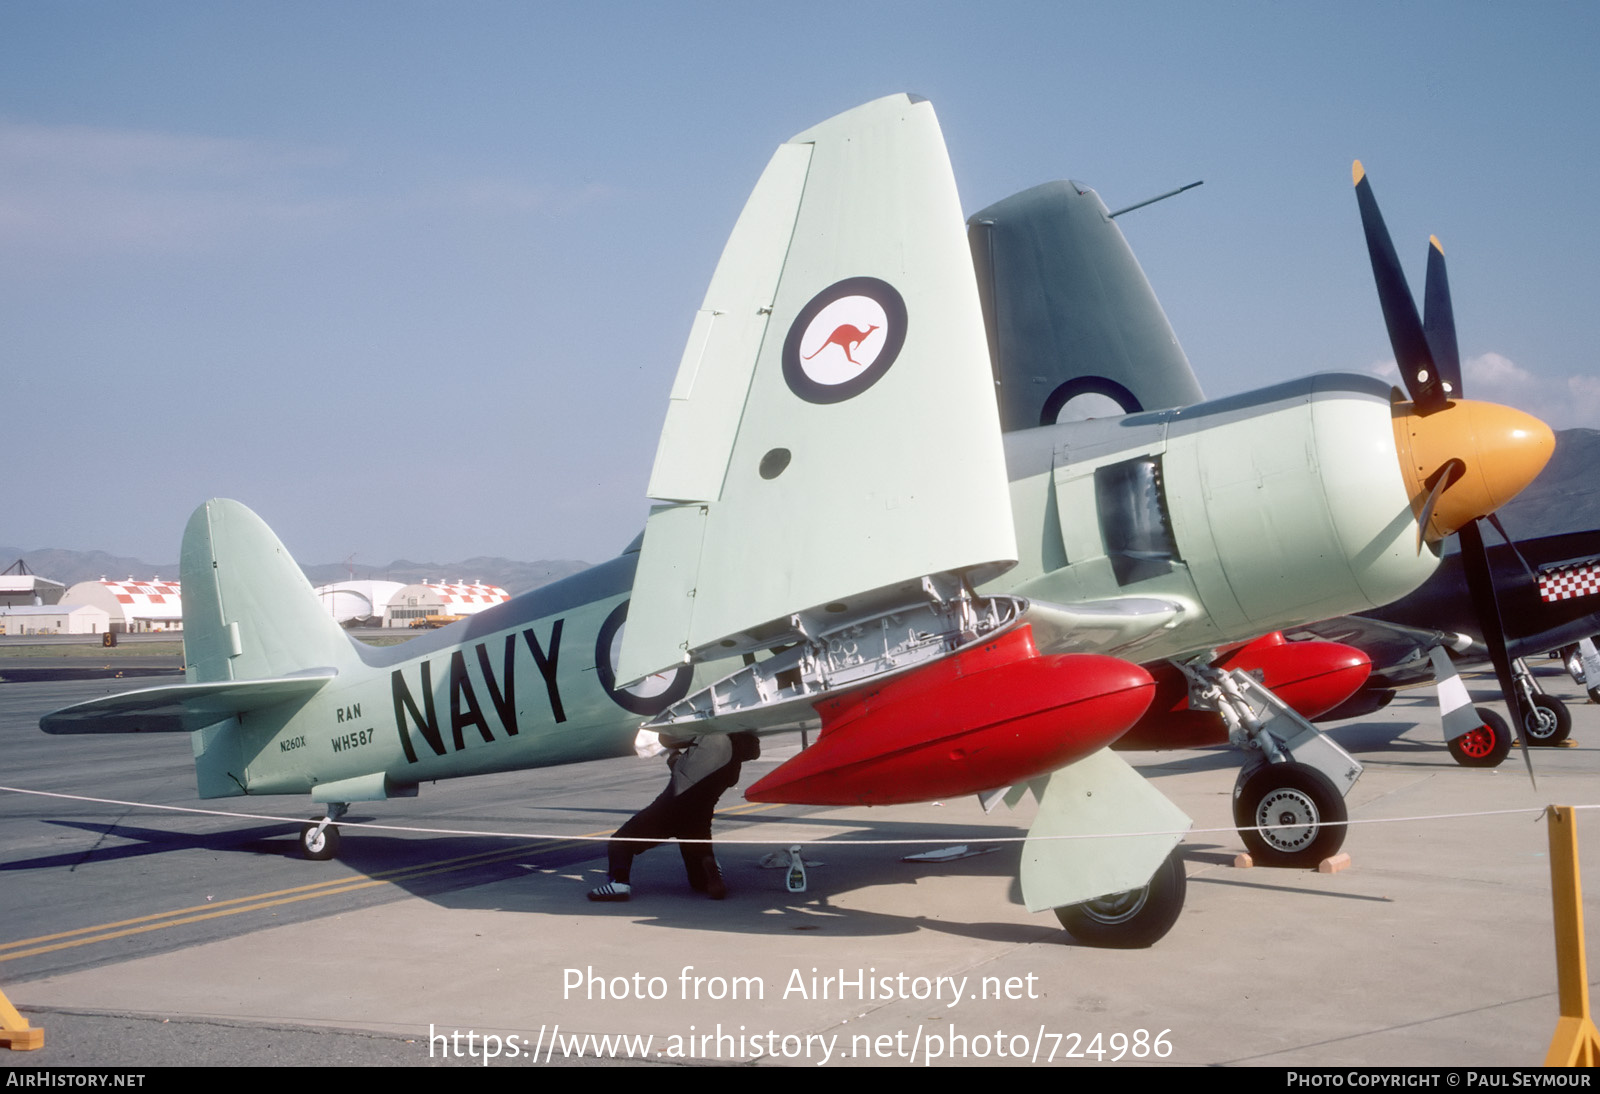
<point x="71" y="567"/>
<point x="1561" y="499"/>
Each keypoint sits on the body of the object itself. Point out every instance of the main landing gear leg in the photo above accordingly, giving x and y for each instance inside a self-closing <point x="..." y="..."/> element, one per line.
<point x="1289" y="799"/>
<point x="1583" y="663"/>
<point x="1546" y="720"/>
<point x="319" y="840"/>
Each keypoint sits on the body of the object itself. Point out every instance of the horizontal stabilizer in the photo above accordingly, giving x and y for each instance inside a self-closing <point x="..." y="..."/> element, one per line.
<point x="1097" y="797"/>
<point x="180" y="708"/>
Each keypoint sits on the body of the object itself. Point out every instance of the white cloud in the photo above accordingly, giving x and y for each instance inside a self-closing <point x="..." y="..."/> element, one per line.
<point x="1497" y="379"/>
<point x="1563" y="402"/>
<point x="1493" y="375"/>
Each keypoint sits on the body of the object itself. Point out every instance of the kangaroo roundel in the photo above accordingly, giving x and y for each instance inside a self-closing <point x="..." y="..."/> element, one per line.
<point x="844" y="340"/>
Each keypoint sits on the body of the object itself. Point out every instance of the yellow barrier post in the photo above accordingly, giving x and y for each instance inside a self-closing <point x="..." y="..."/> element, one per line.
<point x="15" y="1032"/>
<point x="1576" y="1042"/>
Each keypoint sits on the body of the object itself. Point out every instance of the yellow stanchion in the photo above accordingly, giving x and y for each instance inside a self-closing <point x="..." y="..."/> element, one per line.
<point x="15" y="1033"/>
<point x="1576" y="1042"/>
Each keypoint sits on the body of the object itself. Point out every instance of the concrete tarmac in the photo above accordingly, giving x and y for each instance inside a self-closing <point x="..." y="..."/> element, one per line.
<point x="1433" y="948"/>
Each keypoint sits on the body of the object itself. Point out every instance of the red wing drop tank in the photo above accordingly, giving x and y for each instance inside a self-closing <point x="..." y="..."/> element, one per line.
<point x="990" y="716"/>
<point x="1312" y="677"/>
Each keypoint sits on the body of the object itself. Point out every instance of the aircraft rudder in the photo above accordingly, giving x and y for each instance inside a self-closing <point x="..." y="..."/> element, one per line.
<point x="248" y="610"/>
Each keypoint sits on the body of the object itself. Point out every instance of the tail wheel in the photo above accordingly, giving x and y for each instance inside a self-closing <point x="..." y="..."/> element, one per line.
<point x="1547" y="722"/>
<point x="1485" y="746"/>
<point x="319" y="845"/>
<point x="1134" y="919"/>
<point x="1290" y="814"/>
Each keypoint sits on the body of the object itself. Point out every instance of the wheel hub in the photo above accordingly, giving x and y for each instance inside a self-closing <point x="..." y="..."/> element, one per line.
<point x="1541" y="724"/>
<point x="1118" y="906"/>
<point x="1294" y="815"/>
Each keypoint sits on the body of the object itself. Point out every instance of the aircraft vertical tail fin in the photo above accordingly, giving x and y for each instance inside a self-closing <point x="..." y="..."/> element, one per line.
<point x="1069" y="312"/>
<point x="248" y="611"/>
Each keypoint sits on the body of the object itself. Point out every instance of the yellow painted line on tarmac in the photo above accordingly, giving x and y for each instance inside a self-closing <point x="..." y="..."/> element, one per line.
<point x="314" y="889"/>
<point x="748" y="808"/>
<point x="105" y="932"/>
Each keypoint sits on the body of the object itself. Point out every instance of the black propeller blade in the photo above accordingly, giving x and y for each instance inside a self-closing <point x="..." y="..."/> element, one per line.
<point x="1480" y="581"/>
<point x="1411" y="350"/>
<point x="1430" y="361"/>
<point x="1439" y="321"/>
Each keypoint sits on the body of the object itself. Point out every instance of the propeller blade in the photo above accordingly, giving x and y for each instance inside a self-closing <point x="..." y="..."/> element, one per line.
<point x="1480" y="581"/>
<point x="1449" y="473"/>
<point x="1439" y="322"/>
<point x="1406" y="336"/>
<point x="1533" y="578"/>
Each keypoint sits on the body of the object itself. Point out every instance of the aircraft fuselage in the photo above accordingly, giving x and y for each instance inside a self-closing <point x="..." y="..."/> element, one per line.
<point x="1253" y="513"/>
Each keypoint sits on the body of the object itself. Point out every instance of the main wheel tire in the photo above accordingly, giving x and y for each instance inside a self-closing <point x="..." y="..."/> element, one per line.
<point x="1485" y="746"/>
<point x="319" y="846"/>
<point x="1294" y="795"/>
<point x="1134" y="919"/>
<point x="1594" y="695"/>
<point x="1548" y="723"/>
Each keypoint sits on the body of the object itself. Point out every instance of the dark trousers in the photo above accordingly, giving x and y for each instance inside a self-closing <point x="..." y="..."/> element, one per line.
<point x="682" y="816"/>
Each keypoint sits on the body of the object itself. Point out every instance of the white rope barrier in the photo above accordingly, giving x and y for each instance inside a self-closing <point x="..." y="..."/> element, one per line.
<point x="1531" y="812"/>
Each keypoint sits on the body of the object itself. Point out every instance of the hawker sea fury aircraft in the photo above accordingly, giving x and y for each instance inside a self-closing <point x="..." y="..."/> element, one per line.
<point x="956" y="611"/>
<point x="1074" y="329"/>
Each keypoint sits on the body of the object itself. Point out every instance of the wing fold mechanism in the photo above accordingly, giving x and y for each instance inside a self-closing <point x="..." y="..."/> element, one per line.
<point x="825" y="658"/>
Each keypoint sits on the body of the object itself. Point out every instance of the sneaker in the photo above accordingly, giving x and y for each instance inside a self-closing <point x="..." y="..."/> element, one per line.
<point x="613" y="891"/>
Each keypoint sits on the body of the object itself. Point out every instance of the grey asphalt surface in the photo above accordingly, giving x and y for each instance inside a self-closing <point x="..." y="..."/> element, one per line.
<point x="141" y="938"/>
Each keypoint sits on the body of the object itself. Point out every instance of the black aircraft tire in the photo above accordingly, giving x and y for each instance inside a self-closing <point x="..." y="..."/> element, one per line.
<point x="1548" y="723"/>
<point x="1292" y="794"/>
<point x="1134" y="919"/>
<point x="1486" y="746"/>
<point x="1594" y="695"/>
<point x="319" y="846"/>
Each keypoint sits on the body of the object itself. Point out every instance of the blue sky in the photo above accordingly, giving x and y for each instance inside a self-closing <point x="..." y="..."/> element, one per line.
<point x="412" y="279"/>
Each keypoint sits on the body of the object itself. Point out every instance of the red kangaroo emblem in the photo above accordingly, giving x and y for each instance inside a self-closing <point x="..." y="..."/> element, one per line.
<point x="847" y="338"/>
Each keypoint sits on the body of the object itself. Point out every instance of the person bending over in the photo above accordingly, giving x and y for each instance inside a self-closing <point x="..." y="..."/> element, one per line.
<point x="702" y="768"/>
